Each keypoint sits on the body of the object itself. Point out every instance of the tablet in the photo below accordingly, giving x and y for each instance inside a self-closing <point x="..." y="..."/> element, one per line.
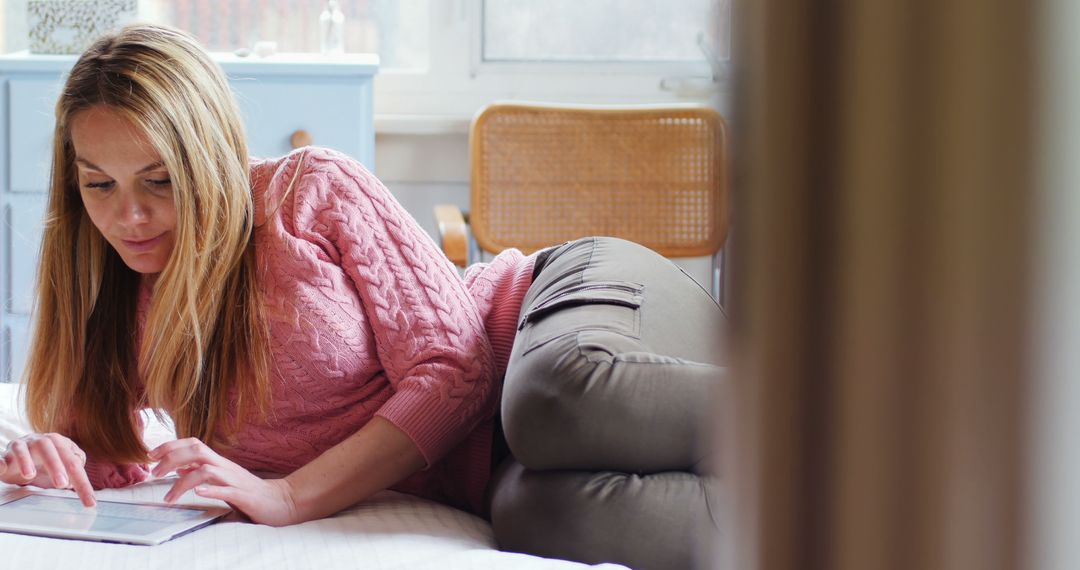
<point x="29" y="512"/>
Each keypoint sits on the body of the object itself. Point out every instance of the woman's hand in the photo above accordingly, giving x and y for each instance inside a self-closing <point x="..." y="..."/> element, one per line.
<point x="47" y="460"/>
<point x="264" y="501"/>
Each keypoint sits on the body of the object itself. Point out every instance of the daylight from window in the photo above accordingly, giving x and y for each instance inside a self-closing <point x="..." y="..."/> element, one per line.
<point x="601" y="30"/>
<point x="395" y="29"/>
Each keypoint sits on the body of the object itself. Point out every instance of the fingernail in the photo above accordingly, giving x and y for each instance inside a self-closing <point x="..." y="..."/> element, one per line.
<point x="200" y="490"/>
<point x="61" y="481"/>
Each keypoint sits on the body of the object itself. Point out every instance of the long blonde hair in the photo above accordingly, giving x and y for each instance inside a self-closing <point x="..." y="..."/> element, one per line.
<point x="205" y="344"/>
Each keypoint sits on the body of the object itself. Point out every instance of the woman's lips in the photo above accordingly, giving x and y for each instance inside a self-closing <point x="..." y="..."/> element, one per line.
<point x="144" y="245"/>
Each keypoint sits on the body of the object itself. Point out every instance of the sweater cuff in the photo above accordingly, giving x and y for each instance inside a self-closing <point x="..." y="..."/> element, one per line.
<point x="107" y="475"/>
<point x="434" y="424"/>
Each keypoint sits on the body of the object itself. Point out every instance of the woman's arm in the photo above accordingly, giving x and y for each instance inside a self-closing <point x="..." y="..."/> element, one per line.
<point x="369" y="461"/>
<point x="373" y="459"/>
<point x="428" y="332"/>
<point x="429" y="338"/>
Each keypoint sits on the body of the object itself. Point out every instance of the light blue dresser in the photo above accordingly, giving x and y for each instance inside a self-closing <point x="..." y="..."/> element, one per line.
<point x="286" y="99"/>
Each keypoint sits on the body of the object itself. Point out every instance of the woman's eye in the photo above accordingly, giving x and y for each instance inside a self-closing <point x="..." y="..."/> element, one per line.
<point x="159" y="181"/>
<point x="99" y="185"/>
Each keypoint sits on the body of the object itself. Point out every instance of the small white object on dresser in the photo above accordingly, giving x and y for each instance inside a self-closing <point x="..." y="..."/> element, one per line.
<point x="285" y="99"/>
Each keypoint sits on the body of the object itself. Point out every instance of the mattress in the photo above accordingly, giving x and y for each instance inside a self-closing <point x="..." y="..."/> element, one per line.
<point x="388" y="531"/>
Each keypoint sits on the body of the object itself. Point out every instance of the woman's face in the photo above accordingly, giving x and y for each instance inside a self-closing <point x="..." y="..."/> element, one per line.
<point x="125" y="188"/>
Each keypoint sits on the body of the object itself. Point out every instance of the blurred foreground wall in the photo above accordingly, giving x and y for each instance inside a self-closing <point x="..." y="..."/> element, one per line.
<point x="1053" y="456"/>
<point x="885" y="210"/>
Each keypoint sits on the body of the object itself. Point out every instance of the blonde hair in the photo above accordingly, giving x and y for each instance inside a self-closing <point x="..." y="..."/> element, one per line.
<point x="205" y="343"/>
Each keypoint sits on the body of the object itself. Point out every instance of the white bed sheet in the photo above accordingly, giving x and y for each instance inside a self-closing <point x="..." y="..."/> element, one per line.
<point x="389" y="531"/>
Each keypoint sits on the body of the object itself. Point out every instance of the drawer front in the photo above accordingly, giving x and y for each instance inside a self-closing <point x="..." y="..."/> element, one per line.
<point x="336" y="113"/>
<point x="14" y="344"/>
<point x="31" y="112"/>
<point x="24" y="217"/>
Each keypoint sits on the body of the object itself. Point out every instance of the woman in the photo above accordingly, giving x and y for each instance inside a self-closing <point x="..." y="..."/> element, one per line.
<point x="291" y="318"/>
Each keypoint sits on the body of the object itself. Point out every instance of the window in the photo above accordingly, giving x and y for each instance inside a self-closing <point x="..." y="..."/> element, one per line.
<point x="13" y="25"/>
<point x="449" y="57"/>
<point x="596" y="30"/>
<point x="552" y="50"/>
<point x="395" y="29"/>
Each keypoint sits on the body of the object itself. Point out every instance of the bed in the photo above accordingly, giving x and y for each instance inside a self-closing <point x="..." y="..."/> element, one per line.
<point x="389" y="531"/>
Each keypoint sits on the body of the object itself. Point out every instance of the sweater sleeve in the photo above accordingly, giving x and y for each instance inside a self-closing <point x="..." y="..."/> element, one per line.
<point x="429" y="336"/>
<point x="105" y="474"/>
<point x="108" y="475"/>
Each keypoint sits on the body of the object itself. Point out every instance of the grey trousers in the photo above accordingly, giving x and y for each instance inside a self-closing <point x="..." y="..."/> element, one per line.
<point x="610" y="383"/>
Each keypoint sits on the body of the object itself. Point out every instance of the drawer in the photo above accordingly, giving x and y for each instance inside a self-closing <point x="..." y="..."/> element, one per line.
<point x="337" y="114"/>
<point x="14" y="344"/>
<point x="23" y="224"/>
<point x="31" y="112"/>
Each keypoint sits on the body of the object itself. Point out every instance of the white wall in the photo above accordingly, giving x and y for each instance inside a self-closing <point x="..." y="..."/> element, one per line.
<point x="1054" y="483"/>
<point x="423" y="170"/>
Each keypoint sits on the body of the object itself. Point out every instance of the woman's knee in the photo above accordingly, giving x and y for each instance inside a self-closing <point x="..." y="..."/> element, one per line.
<point x="589" y="401"/>
<point x="655" y="521"/>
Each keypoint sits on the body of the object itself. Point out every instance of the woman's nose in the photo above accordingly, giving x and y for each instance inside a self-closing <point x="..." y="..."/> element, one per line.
<point x="133" y="210"/>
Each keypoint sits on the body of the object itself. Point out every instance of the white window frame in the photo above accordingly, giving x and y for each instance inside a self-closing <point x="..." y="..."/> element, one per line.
<point x="457" y="82"/>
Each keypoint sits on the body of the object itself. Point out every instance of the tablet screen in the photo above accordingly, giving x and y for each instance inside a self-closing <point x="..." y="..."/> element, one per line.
<point x="106" y="516"/>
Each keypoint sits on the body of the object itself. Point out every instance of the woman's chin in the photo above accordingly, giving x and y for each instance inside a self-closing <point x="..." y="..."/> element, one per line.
<point x="143" y="264"/>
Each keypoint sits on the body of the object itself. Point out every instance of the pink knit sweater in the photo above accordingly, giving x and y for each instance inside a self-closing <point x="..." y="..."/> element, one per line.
<point x="368" y="318"/>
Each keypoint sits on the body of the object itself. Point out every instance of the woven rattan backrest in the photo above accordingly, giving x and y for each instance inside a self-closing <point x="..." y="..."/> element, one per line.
<point x="542" y="175"/>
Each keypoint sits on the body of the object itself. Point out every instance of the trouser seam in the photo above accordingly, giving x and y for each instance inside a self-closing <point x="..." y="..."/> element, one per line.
<point x="684" y="363"/>
<point x="702" y="480"/>
<point x="589" y="263"/>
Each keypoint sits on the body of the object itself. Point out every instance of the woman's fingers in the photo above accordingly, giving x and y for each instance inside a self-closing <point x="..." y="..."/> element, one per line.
<point x="12" y="470"/>
<point x="263" y="502"/>
<point x="80" y="482"/>
<point x="250" y="505"/>
<point x="47" y="460"/>
<point x="49" y="457"/>
<point x="180" y="454"/>
<point x="195" y="477"/>
<point x="21" y="453"/>
<point x="188" y="443"/>
<point x="230" y="495"/>
<point x="199" y="467"/>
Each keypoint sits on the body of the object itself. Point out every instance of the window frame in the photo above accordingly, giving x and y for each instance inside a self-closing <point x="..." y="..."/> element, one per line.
<point x="458" y="82"/>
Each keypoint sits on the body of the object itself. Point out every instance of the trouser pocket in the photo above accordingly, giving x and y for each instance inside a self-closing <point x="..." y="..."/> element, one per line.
<point x="598" y="305"/>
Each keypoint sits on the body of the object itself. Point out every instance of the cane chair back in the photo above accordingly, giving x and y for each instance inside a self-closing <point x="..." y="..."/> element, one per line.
<point x="545" y="174"/>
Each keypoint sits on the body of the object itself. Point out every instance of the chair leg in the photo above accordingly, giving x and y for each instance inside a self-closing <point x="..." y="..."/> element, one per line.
<point x="474" y="251"/>
<point x="718" y="277"/>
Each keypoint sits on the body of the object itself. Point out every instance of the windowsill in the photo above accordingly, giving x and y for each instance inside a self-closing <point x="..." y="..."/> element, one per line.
<point x="402" y="124"/>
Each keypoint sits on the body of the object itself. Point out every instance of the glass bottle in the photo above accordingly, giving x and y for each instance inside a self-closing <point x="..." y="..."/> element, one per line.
<point x="332" y="29"/>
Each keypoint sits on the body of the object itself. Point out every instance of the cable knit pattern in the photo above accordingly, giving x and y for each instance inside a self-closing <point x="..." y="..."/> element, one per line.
<point x="380" y="298"/>
<point x="499" y="288"/>
<point x="367" y="317"/>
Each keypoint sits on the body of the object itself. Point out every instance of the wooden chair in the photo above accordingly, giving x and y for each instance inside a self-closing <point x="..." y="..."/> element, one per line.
<point x="545" y="174"/>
